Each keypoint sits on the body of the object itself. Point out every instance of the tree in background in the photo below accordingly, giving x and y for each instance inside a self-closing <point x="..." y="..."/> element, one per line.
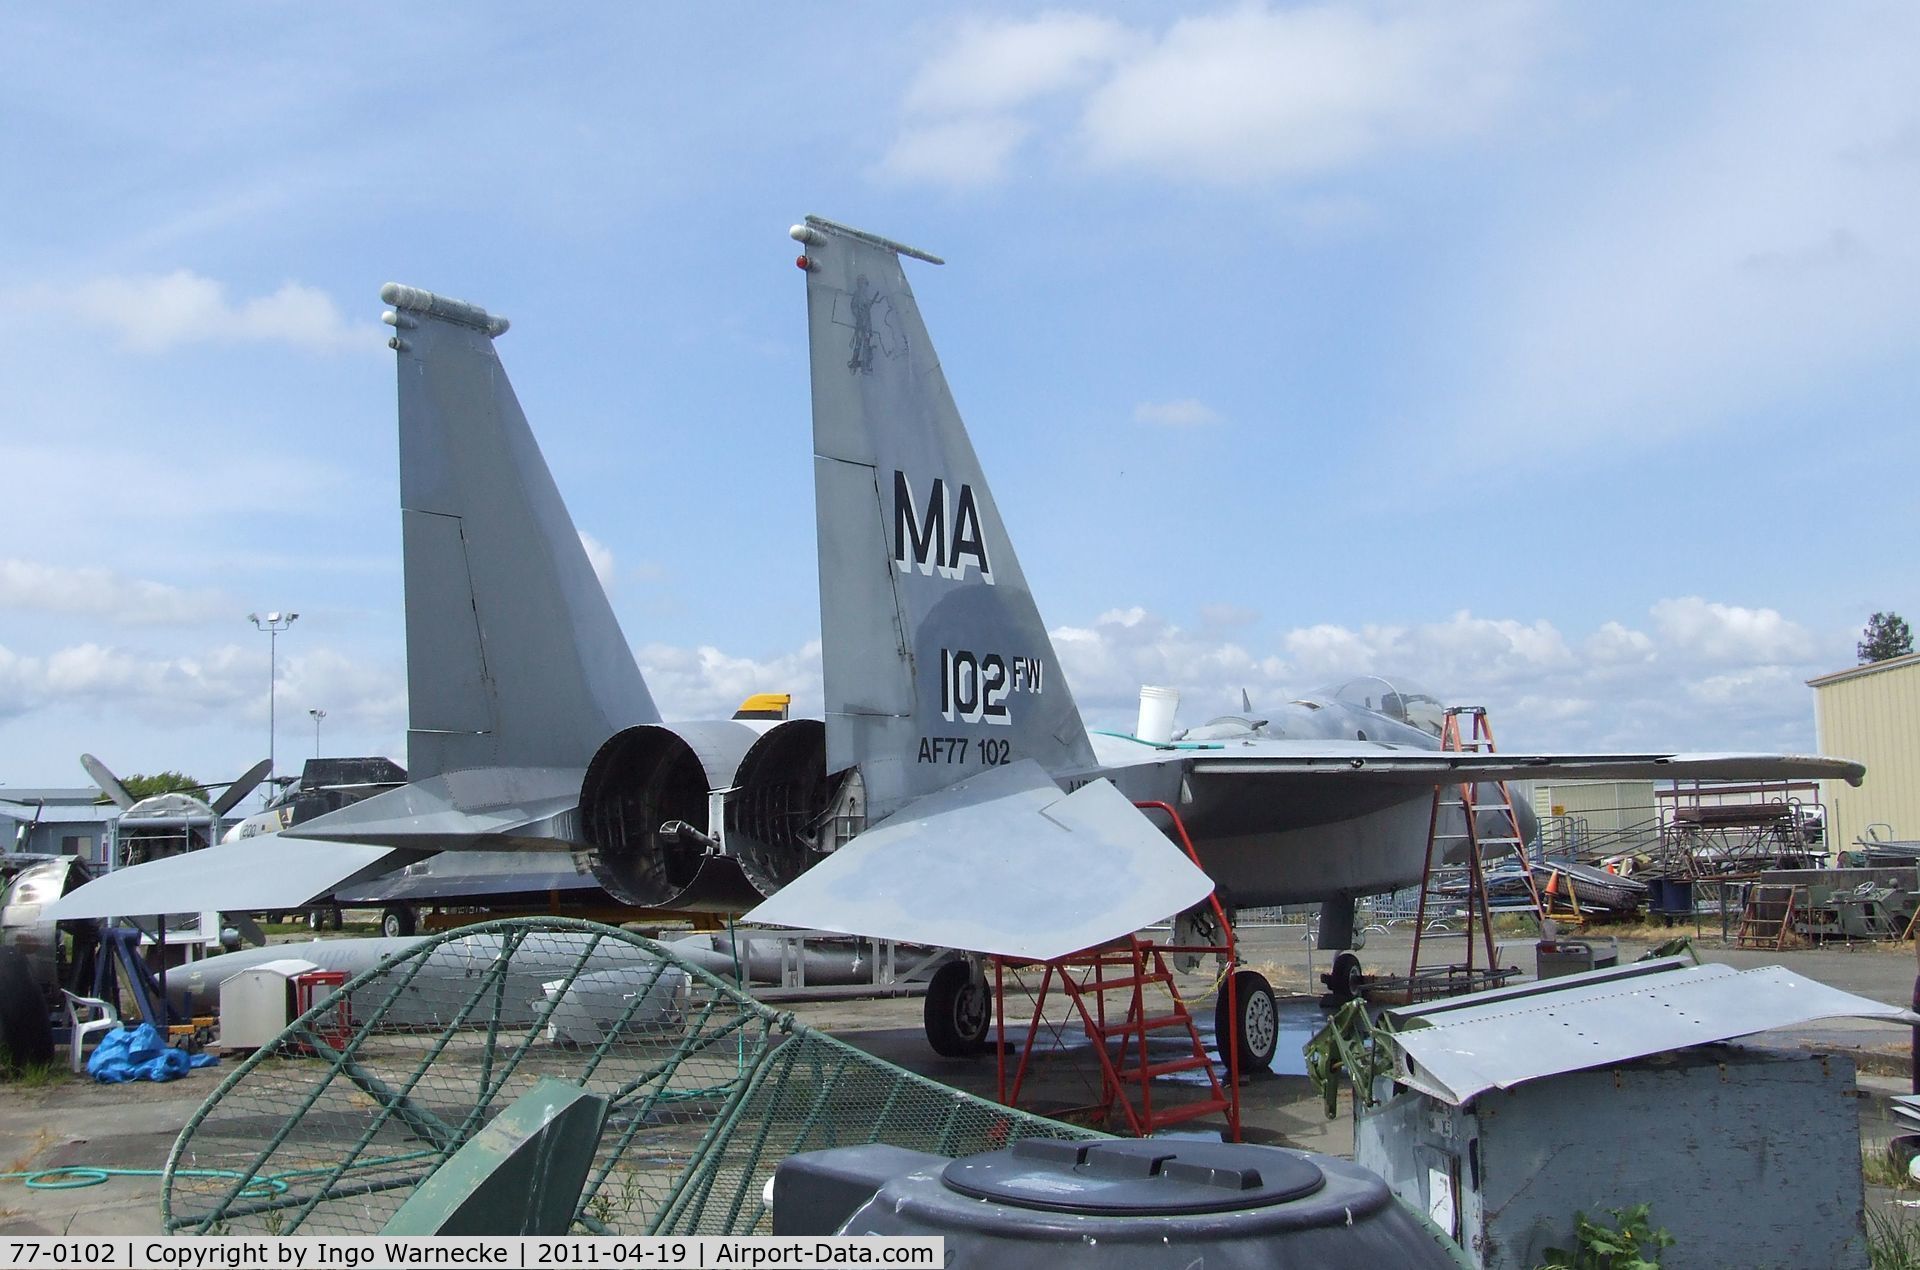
<point x="1887" y="635"/>
<point x="165" y="783"/>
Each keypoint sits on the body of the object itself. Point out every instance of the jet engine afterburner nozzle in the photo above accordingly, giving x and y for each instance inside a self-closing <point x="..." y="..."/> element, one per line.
<point x="646" y="793"/>
<point x="779" y="802"/>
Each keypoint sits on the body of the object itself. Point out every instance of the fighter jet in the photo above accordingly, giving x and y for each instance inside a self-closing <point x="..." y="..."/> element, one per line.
<point x="532" y="737"/>
<point x="946" y="703"/>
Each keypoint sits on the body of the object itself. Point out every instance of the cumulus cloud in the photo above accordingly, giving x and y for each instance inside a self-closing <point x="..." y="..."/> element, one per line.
<point x="28" y="586"/>
<point x="1711" y="631"/>
<point x="151" y="313"/>
<point x="226" y="683"/>
<point x="1261" y="92"/>
<point x="996" y="65"/>
<point x="707" y="683"/>
<point x="1185" y="413"/>
<point x="1254" y="91"/>
<point x="1704" y="675"/>
<point x="957" y="152"/>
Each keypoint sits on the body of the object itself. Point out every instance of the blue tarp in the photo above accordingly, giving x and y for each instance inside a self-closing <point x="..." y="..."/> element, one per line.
<point x="137" y="1053"/>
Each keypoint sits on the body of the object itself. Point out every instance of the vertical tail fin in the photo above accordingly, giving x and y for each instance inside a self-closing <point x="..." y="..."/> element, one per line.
<point x="514" y="656"/>
<point x="936" y="661"/>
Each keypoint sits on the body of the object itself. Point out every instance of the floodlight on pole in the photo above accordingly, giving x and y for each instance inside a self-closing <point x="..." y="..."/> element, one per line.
<point x="317" y="716"/>
<point x="272" y="623"/>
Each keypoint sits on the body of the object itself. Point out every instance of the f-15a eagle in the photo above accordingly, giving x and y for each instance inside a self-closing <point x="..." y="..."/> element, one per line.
<point x="952" y="776"/>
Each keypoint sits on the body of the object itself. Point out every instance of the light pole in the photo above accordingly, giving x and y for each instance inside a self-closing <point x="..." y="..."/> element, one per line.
<point x="317" y="716"/>
<point x="272" y="624"/>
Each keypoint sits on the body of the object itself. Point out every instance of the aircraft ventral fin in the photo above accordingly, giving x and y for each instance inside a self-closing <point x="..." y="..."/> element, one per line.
<point x="1001" y="862"/>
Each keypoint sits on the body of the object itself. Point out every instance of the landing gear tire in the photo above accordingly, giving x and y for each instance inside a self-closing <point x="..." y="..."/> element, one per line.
<point x="1259" y="1030"/>
<point x="326" y="917"/>
<point x="26" y="1034"/>
<point x="959" y="1011"/>
<point x="397" y="921"/>
<point x="1345" y="981"/>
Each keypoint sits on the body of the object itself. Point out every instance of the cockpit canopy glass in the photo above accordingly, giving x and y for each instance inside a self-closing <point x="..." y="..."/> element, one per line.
<point x="1396" y="699"/>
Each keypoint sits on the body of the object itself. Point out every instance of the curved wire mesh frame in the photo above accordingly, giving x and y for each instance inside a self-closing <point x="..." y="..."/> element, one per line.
<point x="329" y="1129"/>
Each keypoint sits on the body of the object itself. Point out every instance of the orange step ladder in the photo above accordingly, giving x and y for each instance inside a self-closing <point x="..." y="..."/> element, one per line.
<point x="1463" y="796"/>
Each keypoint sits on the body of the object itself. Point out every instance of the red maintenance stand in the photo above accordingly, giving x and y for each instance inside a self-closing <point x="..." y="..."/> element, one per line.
<point x="1108" y="989"/>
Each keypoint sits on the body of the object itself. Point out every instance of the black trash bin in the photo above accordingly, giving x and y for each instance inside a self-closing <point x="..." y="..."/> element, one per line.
<point x="1124" y="1204"/>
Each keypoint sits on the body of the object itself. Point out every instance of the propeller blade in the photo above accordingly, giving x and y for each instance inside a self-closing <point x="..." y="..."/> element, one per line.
<point x="107" y="781"/>
<point x="248" y="928"/>
<point x="240" y="788"/>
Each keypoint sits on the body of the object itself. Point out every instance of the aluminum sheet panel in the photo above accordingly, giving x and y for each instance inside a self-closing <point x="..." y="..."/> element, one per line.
<point x="1470" y="1047"/>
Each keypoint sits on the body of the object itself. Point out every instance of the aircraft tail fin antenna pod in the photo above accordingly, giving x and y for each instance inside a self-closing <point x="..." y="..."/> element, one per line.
<point x="937" y="665"/>
<point x="514" y="656"/>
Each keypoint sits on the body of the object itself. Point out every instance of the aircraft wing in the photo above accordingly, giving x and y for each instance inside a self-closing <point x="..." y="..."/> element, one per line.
<point x="475" y="809"/>
<point x="1002" y="862"/>
<point x="248" y="875"/>
<point x="1435" y="767"/>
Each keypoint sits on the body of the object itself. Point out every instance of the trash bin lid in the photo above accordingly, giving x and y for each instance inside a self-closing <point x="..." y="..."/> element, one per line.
<point x="1150" y="1177"/>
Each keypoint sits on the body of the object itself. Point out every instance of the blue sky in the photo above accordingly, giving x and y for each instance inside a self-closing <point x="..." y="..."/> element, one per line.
<point x="1561" y="358"/>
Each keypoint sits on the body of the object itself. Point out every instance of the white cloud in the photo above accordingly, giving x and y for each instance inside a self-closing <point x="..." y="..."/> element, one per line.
<point x="1185" y="413"/>
<point x="152" y="313"/>
<point x="27" y="586"/>
<point x="600" y="556"/>
<point x="225" y="684"/>
<point x="1710" y="631"/>
<point x="992" y="66"/>
<point x="1707" y="676"/>
<point x="958" y="152"/>
<point x="1251" y="92"/>
<point x="1259" y="92"/>
<point x="706" y="683"/>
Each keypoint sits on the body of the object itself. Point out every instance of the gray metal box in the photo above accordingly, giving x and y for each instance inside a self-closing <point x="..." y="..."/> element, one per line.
<point x="1749" y="1156"/>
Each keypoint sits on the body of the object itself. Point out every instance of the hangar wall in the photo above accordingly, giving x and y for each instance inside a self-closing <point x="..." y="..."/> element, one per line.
<point x="1872" y="714"/>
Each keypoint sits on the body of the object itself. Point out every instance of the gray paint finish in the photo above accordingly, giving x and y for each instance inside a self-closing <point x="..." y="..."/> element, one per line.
<point x="1749" y="1157"/>
<point x="1109" y="871"/>
<point x="514" y="656"/>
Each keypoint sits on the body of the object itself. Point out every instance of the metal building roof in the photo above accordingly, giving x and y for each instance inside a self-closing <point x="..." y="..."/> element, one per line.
<point x="1499" y="1039"/>
<point x="31" y="795"/>
<point x="1870" y="668"/>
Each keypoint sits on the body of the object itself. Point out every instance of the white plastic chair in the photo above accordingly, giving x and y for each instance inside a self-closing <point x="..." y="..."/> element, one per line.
<point x="102" y="1015"/>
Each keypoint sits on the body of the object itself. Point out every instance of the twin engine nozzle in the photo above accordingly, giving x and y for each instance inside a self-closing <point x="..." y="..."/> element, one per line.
<point x="709" y="816"/>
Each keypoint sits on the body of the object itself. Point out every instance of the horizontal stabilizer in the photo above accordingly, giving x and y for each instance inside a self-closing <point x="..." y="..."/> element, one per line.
<point x="248" y="875"/>
<point x="1002" y="862"/>
<point x="478" y="809"/>
<point x="1435" y="767"/>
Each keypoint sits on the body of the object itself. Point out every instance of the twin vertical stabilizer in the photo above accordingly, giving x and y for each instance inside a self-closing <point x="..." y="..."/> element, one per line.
<point x="514" y="656"/>
<point x="937" y="665"/>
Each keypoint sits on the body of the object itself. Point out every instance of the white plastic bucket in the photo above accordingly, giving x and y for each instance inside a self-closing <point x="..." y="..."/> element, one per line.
<point x="1157" y="708"/>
